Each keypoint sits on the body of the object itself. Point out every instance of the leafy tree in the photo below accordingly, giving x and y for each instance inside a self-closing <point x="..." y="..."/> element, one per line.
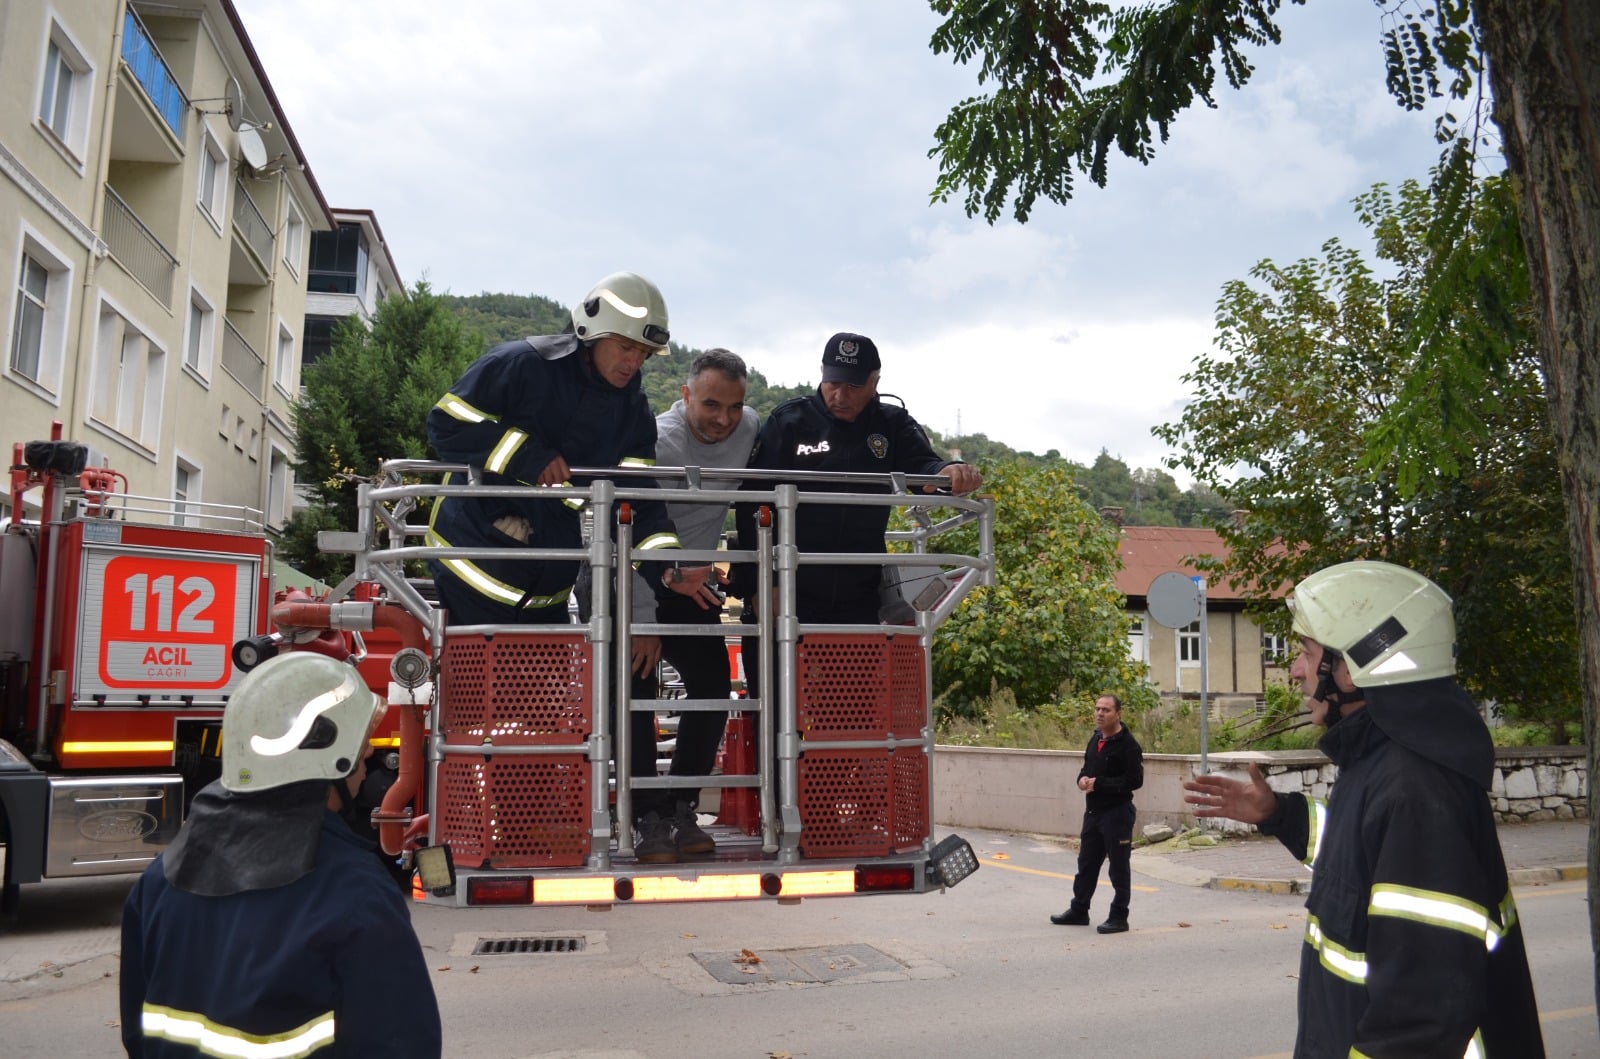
<point x="1319" y="352"/>
<point x="365" y="401"/>
<point x="1074" y="77"/>
<point x="1054" y="618"/>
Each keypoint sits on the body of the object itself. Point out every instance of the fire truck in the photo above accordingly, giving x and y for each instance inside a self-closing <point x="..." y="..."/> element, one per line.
<point x="130" y="622"/>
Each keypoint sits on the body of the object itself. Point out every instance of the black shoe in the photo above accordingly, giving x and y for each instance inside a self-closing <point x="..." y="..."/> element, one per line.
<point x="1072" y="917"/>
<point x="689" y="835"/>
<point x="1113" y="926"/>
<point x="655" y="845"/>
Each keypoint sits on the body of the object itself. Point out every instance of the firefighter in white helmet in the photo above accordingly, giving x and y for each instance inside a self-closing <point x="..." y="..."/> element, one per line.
<point x="268" y="928"/>
<point x="526" y="413"/>
<point x="1413" y="945"/>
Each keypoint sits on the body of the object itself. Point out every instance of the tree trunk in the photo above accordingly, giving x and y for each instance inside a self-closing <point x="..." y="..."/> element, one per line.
<point x="1544" y="67"/>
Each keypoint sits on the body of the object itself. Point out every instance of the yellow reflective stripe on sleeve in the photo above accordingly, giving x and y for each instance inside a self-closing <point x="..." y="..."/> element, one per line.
<point x="484" y="584"/>
<point x="659" y="540"/>
<point x="211" y="1038"/>
<point x="500" y="455"/>
<point x="574" y="502"/>
<point x="1338" y="960"/>
<point x="1434" y="909"/>
<point x="636" y="461"/>
<point x="1316" y="825"/>
<point x="456" y="408"/>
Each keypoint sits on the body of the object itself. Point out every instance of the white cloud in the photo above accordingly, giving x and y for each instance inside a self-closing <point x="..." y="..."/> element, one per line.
<point x="768" y="165"/>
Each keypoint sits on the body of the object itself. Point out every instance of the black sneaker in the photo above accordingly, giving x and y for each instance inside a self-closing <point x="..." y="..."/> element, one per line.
<point x="654" y="844"/>
<point x="1113" y="926"/>
<point x="691" y="838"/>
<point x="1072" y="917"/>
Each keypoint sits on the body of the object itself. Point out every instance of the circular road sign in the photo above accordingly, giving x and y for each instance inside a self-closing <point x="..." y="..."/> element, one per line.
<point x="1174" y="600"/>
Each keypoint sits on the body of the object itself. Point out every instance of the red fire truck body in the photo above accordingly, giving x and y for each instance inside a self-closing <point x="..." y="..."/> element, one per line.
<point x="125" y="624"/>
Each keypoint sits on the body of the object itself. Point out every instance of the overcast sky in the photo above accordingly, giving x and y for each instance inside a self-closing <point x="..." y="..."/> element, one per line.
<point x="766" y="163"/>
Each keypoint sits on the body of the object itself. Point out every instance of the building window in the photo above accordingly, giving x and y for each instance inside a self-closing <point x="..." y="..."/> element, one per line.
<point x="1189" y="644"/>
<point x="127" y="382"/>
<point x="278" y="488"/>
<point x="64" y="95"/>
<point x="185" y="491"/>
<point x="294" y="239"/>
<point x="317" y="341"/>
<point x="283" y="366"/>
<point x="213" y="167"/>
<point x="1274" y="649"/>
<point x="1136" y="649"/>
<point x="201" y="337"/>
<point x="338" y="261"/>
<point x="38" y="318"/>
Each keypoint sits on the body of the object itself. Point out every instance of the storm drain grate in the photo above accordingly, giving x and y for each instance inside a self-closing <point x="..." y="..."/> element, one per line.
<point x="521" y="946"/>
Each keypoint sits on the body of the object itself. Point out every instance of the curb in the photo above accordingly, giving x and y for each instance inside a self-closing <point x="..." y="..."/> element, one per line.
<point x="1517" y="876"/>
<point x="1260" y="886"/>
<point x="1550" y="874"/>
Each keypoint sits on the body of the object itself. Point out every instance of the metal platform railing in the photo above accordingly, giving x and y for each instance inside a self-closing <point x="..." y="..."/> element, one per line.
<point x="391" y="517"/>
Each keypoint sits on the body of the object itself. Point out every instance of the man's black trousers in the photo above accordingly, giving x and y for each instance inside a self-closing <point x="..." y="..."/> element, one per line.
<point x="1107" y="833"/>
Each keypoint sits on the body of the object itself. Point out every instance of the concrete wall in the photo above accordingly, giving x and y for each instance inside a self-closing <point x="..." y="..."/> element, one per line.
<point x="1035" y="791"/>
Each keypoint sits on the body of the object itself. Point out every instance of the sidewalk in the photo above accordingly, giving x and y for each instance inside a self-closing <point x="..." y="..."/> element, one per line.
<point x="1549" y="851"/>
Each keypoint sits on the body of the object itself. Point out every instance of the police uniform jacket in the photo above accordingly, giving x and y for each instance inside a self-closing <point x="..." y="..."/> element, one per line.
<point x="518" y="407"/>
<point x="326" y="965"/>
<point x="801" y="435"/>
<point x="1413" y="945"/>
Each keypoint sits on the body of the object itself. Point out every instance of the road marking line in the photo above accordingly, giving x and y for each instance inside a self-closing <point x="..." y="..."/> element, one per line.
<point x="1054" y="874"/>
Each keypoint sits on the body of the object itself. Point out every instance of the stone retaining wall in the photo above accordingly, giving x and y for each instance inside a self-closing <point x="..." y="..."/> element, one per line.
<point x="1036" y="791"/>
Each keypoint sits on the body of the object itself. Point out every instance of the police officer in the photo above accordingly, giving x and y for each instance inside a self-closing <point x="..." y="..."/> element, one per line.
<point x="1413" y="945"/>
<point x="268" y="928"/>
<point x="844" y="426"/>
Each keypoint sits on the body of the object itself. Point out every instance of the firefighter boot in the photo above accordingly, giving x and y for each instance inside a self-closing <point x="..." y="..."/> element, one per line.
<point x="691" y="838"/>
<point x="654" y="844"/>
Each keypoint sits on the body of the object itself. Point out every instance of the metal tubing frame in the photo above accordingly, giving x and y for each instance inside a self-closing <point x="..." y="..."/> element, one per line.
<point x="778" y="564"/>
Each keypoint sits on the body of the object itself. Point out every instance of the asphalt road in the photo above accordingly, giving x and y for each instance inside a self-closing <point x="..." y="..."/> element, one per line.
<point x="1204" y="973"/>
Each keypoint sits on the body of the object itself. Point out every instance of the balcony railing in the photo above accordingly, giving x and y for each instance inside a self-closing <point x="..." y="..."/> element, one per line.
<point x="138" y="250"/>
<point x="254" y="227"/>
<point x="240" y="360"/>
<point x="139" y="51"/>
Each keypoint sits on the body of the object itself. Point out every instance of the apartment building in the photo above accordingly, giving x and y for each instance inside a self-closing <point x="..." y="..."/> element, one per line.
<point x="156" y="216"/>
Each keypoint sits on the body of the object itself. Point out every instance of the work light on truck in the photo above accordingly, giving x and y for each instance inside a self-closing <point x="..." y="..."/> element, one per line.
<point x="952" y="860"/>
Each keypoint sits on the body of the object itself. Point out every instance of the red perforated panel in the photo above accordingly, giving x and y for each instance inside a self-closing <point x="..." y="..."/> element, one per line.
<point x="515" y="689"/>
<point x="860" y="687"/>
<point x="515" y="813"/>
<point x="909" y="768"/>
<point x="862" y="803"/>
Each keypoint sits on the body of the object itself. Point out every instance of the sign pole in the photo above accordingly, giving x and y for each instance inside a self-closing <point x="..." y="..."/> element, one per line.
<point x="1205" y="655"/>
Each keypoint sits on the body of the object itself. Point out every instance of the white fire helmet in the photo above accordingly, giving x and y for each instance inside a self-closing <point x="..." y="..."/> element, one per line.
<point x="297" y="716"/>
<point x="1392" y="625"/>
<point x="627" y="305"/>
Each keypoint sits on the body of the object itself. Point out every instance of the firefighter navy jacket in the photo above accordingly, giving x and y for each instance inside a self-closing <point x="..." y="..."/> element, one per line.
<point x="1413" y="946"/>
<point x="519" y="406"/>
<point x="800" y="435"/>
<point x="328" y="961"/>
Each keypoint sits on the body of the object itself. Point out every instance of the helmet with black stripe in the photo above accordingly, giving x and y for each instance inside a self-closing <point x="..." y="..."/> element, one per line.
<point x="297" y="716"/>
<point x="1391" y="625"/>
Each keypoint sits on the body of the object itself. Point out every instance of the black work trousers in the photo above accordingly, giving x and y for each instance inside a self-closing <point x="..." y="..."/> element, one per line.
<point x="1107" y="833"/>
<point x="702" y="662"/>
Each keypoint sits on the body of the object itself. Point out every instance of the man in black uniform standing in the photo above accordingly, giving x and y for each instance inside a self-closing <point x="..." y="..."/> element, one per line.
<point x="1113" y="768"/>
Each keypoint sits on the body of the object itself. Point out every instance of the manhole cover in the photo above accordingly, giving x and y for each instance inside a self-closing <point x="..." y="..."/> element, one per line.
<point x="520" y="946"/>
<point x="830" y="963"/>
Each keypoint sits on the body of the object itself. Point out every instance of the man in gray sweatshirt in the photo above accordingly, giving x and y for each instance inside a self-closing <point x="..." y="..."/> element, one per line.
<point x="709" y="427"/>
